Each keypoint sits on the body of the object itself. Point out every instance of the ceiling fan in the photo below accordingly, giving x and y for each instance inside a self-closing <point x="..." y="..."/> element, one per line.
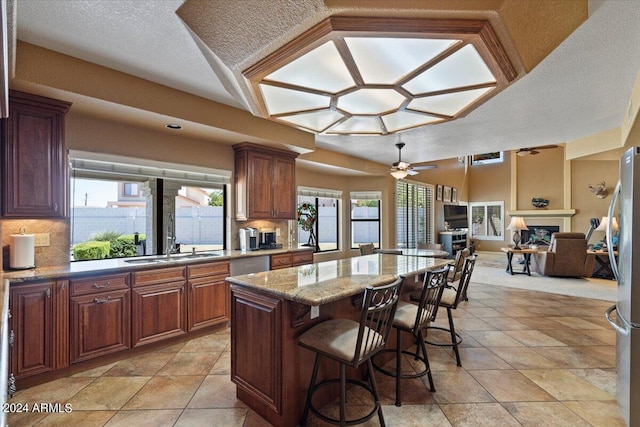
<point x="401" y="169"/>
<point x="534" y="150"/>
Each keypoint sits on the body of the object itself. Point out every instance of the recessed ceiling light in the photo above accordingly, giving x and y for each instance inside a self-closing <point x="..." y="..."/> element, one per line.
<point x="174" y="126"/>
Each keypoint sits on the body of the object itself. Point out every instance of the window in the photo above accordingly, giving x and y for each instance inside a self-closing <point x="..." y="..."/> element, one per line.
<point x="325" y="230"/>
<point x="487" y="220"/>
<point x="414" y="214"/>
<point x="111" y="203"/>
<point x="365" y="218"/>
<point x="486" y="158"/>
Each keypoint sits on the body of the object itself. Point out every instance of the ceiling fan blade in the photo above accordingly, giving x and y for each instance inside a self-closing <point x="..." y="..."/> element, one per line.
<point x="532" y="152"/>
<point x="545" y="147"/>
<point x="412" y="172"/>
<point x="424" y="167"/>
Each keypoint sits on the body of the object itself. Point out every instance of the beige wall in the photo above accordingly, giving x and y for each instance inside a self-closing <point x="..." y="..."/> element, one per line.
<point x="541" y="175"/>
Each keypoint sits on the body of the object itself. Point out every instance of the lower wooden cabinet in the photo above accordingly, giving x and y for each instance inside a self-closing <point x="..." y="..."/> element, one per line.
<point x="291" y="259"/>
<point x="100" y="324"/>
<point x="159" y="308"/>
<point x="208" y="295"/>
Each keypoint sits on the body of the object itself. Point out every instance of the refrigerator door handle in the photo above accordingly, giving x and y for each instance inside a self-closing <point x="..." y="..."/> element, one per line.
<point x="609" y="233"/>
<point x="622" y="330"/>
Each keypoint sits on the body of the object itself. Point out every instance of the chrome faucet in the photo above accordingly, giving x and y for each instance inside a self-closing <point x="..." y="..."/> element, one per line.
<point x="171" y="235"/>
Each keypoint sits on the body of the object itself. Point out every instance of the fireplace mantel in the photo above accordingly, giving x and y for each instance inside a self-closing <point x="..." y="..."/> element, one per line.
<point x="543" y="213"/>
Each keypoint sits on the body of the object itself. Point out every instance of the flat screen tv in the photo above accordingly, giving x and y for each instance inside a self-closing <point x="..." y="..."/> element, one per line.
<point x="456" y="216"/>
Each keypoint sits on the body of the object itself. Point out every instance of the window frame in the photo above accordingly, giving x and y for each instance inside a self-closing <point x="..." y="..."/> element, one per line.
<point x="320" y="194"/>
<point x="414" y="220"/>
<point x="354" y="197"/>
<point x="485" y="205"/>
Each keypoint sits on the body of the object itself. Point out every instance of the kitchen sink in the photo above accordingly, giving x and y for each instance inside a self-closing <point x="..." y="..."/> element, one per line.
<point x="164" y="258"/>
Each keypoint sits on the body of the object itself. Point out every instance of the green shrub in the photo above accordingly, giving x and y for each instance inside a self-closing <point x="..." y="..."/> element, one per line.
<point x="106" y="236"/>
<point x="122" y="248"/>
<point x="131" y="237"/>
<point x="91" y="250"/>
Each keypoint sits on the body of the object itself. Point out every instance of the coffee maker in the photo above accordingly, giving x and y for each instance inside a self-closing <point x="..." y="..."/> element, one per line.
<point x="248" y="239"/>
<point x="268" y="240"/>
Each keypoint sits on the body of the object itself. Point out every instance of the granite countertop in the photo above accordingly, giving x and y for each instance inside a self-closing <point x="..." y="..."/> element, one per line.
<point x="324" y="282"/>
<point x="117" y="265"/>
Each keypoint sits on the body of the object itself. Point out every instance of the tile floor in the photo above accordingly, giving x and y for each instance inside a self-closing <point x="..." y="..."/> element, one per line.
<point x="528" y="359"/>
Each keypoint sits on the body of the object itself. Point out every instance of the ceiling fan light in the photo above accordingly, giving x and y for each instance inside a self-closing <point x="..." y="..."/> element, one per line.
<point x="399" y="174"/>
<point x="522" y="153"/>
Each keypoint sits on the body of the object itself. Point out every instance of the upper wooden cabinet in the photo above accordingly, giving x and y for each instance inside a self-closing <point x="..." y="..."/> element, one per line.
<point x="34" y="160"/>
<point x="265" y="181"/>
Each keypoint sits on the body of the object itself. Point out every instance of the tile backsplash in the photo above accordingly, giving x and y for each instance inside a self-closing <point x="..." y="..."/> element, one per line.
<point x="57" y="254"/>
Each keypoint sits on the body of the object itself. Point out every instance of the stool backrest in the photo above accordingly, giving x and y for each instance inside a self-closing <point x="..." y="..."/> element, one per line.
<point x="376" y="319"/>
<point x="456" y="271"/>
<point x="432" y="289"/>
<point x="465" y="278"/>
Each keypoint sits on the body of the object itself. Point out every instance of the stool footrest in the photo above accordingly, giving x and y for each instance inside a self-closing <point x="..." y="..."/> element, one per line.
<point x="393" y="373"/>
<point x="440" y="344"/>
<point x="335" y="421"/>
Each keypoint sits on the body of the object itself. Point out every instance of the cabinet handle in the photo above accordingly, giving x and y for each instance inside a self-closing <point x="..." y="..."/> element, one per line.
<point x="48" y="292"/>
<point x="63" y="286"/>
<point x="11" y="338"/>
<point x="55" y="207"/>
<point x="95" y="285"/>
<point x="182" y="289"/>
<point x="101" y="301"/>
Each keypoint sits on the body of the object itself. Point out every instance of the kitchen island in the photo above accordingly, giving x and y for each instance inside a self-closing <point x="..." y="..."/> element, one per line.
<point x="270" y="310"/>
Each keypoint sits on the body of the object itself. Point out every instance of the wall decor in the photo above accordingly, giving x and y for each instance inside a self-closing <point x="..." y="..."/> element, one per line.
<point x="539" y="202"/>
<point x="600" y="190"/>
<point x="446" y="194"/>
<point x="439" y="193"/>
<point x="486" y="158"/>
<point x="454" y="195"/>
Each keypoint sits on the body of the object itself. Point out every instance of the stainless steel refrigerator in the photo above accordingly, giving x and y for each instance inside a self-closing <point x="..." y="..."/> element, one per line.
<point x="626" y="199"/>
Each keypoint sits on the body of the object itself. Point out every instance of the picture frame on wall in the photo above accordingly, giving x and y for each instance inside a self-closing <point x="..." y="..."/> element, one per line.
<point x="446" y="194"/>
<point x="439" y="193"/>
<point x="454" y="195"/>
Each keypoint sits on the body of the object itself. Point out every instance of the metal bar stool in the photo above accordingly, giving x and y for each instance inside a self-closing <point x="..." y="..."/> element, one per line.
<point x="352" y="343"/>
<point x="413" y="318"/>
<point x="451" y="297"/>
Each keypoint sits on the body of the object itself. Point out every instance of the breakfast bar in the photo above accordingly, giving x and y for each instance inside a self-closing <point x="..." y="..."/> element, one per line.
<point x="271" y="309"/>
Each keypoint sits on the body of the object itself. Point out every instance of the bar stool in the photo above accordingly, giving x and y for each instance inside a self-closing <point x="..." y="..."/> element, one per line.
<point x="414" y="318"/>
<point x="352" y="343"/>
<point x="451" y="297"/>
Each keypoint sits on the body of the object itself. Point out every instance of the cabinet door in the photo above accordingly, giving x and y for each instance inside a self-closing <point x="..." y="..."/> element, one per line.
<point x="34" y="158"/>
<point x="284" y="196"/>
<point x="279" y="261"/>
<point x="159" y="312"/>
<point x="100" y="324"/>
<point x="260" y="186"/>
<point x="302" y="258"/>
<point x="32" y="329"/>
<point x="208" y="302"/>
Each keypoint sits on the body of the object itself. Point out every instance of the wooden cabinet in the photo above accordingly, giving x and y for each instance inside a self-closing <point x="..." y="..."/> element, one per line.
<point x="208" y="295"/>
<point x="39" y="328"/>
<point x="291" y="259"/>
<point x="265" y="182"/>
<point x="100" y="316"/>
<point x="159" y="305"/>
<point x="34" y="159"/>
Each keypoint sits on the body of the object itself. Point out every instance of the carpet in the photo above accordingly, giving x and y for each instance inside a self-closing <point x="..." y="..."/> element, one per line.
<point x="490" y="270"/>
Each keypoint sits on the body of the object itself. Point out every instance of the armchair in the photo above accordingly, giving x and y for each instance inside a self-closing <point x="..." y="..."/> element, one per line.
<point x="566" y="256"/>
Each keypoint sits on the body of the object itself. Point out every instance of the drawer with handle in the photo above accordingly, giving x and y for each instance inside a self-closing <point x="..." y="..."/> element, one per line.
<point x="97" y="284"/>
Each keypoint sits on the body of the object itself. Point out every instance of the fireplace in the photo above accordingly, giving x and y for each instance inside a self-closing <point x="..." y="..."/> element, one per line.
<point x="538" y="234"/>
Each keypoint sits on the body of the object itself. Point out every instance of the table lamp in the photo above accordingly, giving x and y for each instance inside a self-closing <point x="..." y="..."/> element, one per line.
<point x="517" y="224"/>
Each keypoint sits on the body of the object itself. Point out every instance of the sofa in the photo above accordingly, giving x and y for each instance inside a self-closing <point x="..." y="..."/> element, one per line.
<point x="566" y="256"/>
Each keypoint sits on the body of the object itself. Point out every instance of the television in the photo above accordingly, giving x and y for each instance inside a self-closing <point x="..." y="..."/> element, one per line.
<point x="456" y="216"/>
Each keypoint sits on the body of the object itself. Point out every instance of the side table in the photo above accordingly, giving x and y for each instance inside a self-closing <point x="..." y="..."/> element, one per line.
<point x="526" y="253"/>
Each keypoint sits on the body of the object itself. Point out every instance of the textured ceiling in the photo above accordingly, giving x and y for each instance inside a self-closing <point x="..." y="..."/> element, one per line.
<point x="581" y="88"/>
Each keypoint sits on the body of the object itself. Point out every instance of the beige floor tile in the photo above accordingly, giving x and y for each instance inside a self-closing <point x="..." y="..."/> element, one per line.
<point x="207" y="343"/>
<point x="144" y="365"/>
<point x="484" y="312"/>
<point x="598" y="414"/>
<point x="604" y="336"/>
<point x="216" y="391"/>
<point x="505" y="323"/>
<point x="523" y="358"/>
<point x="24" y="419"/>
<point x="189" y="364"/>
<point x="210" y="417"/>
<point x="165" y="393"/>
<point x="145" y="417"/>
<point x="604" y="379"/>
<point x="574" y="337"/>
<point x="222" y="365"/>
<point x="481" y="358"/>
<point x="565" y="385"/>
<point x="471" y="324"/>
<point x="547" y="414"/>
<point x="107" y="393"/>
<point x="55" y="391"/>
<point x="255" y="420"/>
<point x="77" y="418"/>
<point x="605" y="353"/>
<point x="540" y="323"/>
<point x="414" y="391"/>
<point x="535" y="338"/>
<point x="495" y="339"/>
<point x="458" y="387"/>
<point x="576" y="323"/>
<point x="172" y="348"/>
<point x="510" y="386"/>
<point x="479" y="414"/>
<point x="415" y="416"/>
<point x="512" y="311"/>
<point x="95" y="372"/>
<point x="570" y="357"/>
